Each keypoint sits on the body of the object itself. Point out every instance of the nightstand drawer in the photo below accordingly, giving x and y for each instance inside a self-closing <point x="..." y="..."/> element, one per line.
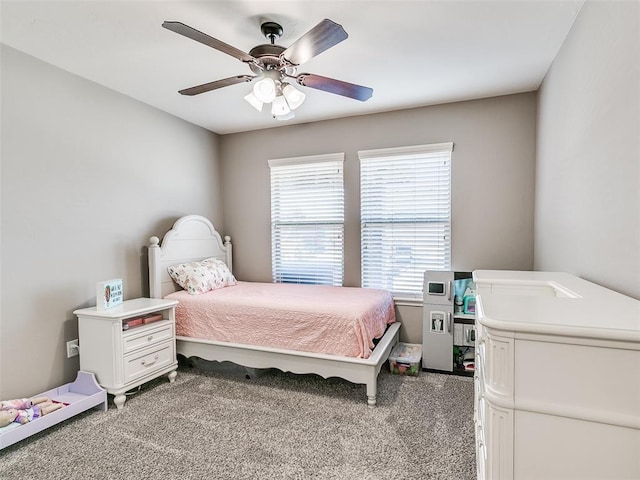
<point x="142" y="337"/>
<point x="147" y="361"/>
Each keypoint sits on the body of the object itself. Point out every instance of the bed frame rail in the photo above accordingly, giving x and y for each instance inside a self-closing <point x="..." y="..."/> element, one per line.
<point x="356" y="370"/>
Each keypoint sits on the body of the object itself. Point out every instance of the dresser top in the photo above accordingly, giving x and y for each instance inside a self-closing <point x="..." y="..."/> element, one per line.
<point x="554" y="303"/>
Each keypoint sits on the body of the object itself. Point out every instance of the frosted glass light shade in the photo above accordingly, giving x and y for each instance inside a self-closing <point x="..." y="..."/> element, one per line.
<point x="286" y="116"/>
<point x="265" y="90"/>
<point x="279" y="106"/>
<point x="254" y="101"/>
<point x="294" y="97"/>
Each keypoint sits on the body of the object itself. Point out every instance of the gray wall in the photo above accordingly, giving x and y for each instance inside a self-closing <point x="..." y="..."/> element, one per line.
<point x="87" y="176"/>
<point x="587" y="217"/>
<point x="492" y="179"/>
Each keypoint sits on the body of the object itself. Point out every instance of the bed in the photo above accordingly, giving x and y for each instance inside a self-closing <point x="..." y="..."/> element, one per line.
<point x="192" y="239"/>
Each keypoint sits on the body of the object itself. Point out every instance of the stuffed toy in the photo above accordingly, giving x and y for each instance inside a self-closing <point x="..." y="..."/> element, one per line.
<point x="26" y="409"/>
<point x="7" y="416"/>
<point x="18" y="404"/>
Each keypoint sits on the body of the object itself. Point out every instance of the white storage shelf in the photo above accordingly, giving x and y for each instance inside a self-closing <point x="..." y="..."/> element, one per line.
<point x="81" y="395"/>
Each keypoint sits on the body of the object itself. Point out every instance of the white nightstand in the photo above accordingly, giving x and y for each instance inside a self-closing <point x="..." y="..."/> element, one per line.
<point x="124" y="359"/>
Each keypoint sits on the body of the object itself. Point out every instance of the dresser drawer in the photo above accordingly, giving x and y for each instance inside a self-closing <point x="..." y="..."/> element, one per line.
<point x="481" y="460"/>
<point x="142" y="337"/>
<point x="477" y="397"/>
<point x="481" y="449"/>
<point x="481" y="423"/>
<point x="147" y="361"/>
<point x="480" y="368"/>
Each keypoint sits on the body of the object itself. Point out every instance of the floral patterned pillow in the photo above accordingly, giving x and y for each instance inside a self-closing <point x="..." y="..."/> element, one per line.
<point x="201" y="277"/>
<point x="222" y="274"/>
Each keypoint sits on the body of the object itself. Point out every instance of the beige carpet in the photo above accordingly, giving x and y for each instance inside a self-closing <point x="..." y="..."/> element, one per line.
<point x="214" y="423"/>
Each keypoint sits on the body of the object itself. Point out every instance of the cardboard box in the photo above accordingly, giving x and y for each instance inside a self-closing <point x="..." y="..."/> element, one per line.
<point x="405" y="358"/>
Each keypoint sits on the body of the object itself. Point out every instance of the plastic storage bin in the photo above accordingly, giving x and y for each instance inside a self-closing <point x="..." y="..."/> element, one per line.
<point x="405" y="358"/>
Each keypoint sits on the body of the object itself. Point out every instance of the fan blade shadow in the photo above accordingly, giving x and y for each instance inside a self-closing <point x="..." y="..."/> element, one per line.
<point x="331" y="85"/>
<point x="323" y="36"/>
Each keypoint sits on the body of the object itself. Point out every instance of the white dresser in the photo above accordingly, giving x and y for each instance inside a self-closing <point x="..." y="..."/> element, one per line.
<point x="557" y="378"/>
<point x="120" y="358"/>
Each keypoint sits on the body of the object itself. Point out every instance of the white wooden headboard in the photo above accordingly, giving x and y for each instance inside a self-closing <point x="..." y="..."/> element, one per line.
<point x="191" y="239"/>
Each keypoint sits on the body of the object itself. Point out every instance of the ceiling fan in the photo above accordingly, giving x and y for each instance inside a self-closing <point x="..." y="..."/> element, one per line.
<point x="276" y="66"/>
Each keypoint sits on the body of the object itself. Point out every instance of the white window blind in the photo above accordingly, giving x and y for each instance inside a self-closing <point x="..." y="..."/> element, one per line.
<point x="405" y="216"/>
<point x="307" y="219"/>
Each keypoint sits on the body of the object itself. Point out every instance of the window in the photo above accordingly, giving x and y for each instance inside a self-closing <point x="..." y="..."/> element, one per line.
<point x="405" y="202"/>
<point x="307" y="219"/>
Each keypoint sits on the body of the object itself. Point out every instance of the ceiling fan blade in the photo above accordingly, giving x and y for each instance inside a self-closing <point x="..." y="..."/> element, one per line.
<point x="207" y="87"/>
<point x="324" y="35"/>
<point x="331" y="85"/>
<point x="205" y="39"/>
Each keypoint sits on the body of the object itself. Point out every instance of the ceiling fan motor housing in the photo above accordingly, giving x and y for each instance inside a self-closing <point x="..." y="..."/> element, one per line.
<point x="267" y="55"/>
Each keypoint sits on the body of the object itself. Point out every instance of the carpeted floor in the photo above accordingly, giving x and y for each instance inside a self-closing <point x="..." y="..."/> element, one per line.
<point x="214" y="423"/>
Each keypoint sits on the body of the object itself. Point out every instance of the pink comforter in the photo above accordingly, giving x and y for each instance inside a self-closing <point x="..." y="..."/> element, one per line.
<point x="311" y="318"/>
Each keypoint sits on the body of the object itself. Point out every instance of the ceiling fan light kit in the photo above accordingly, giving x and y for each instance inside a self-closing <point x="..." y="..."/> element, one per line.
<point x="279" y="107"/>
<point x="254" y="101"/>
<point x="275" y="66"/>
<point x="287" y="116"/>
<point x="294" y="97"/>
<point x="265" y="90"/>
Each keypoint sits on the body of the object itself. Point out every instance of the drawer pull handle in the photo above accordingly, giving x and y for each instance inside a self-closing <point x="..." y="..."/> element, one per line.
<point x="471" y="335"/>
<point x="149" y="338"/>
<point x="145" y="364"/>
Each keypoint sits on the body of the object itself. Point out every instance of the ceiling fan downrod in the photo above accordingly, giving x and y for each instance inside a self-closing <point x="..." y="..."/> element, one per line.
<point x="272" y="31"/>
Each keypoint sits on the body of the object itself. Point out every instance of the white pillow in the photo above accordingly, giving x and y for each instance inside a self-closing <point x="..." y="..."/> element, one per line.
<point x="201" y="277"/>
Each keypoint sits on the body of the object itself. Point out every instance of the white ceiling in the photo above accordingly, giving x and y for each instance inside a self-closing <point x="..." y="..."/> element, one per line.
<point x="412" y="53"/>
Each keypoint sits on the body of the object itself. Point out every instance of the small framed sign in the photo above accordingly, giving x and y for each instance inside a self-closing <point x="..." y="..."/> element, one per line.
<point x="109" y="294"/>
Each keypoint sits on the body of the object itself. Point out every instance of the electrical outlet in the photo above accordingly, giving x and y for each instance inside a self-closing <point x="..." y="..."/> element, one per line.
<point x="72" y="348"/>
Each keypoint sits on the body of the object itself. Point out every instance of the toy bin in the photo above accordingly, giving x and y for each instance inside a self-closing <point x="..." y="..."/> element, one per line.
<point x="82" y="394"/>
<point x="405" y="358"/>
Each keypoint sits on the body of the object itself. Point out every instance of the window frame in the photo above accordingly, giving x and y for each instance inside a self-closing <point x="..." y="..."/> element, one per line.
<point x="368" y="273"/>
<point x="329" y="271"/>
